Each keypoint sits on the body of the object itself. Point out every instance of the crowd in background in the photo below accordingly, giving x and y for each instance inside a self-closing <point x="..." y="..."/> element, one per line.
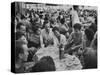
<point x="73" y="31"/>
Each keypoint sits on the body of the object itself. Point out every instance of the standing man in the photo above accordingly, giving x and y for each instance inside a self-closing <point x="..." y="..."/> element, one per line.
<point x="74" y="15"/>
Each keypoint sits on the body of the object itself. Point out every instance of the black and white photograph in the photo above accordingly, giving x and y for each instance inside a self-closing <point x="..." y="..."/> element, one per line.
<point x="53" y="37"/>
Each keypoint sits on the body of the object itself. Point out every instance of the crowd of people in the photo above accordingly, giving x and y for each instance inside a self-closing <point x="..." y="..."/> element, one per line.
<point x="72" y="31"/>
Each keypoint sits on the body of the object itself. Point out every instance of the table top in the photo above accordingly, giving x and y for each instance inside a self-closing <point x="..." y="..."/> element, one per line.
<point x="69" y="62"/>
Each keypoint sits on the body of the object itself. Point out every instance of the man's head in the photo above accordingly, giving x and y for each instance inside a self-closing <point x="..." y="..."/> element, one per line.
<point x="75" y="7"/>
<point x="20" y="36"/>
<point x="56" y="31"/>
<point x="77" y="27"/>
<point x="21" y="27"/>
<point x="47" y="25"/>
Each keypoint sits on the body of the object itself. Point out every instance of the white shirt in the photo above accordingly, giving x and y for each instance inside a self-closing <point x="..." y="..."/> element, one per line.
<point x="75" y="17"/>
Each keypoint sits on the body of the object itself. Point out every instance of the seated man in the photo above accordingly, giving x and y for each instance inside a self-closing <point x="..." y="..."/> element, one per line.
<point x="75" y="40"/>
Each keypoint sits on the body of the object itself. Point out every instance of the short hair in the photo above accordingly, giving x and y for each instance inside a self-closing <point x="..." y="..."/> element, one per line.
<point x="40" y="16"/>
<point x="19" y="25"/>
<point x="46" y="63"/>
<point x="55" y="28"/>
<point x="19" y="35"/>
<point x="62" y="21"/>
<point x="46" y="22"/>
<point x="77" y="26"/>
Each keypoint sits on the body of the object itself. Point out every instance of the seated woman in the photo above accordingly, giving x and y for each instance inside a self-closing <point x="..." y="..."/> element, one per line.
<point x="90" y="50"/>
<point x="60" y="39"/>
<point x="46" y="63"/>
<point x="89" y="37"/>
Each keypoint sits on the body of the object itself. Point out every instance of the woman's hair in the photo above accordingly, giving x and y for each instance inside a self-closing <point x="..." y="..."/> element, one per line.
<point x="93" y="27"/>
<point x="46" y="63"/>
<point x="55" y="28"/>
<point x="89" y="34"/>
